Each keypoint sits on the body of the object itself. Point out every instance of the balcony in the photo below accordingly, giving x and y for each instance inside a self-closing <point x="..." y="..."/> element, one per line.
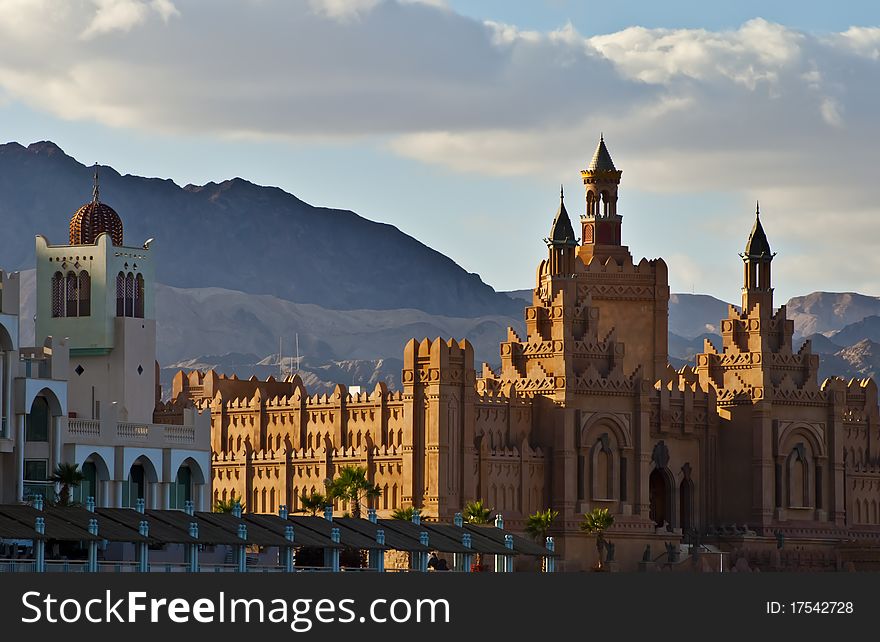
<point x="106" y="432"/>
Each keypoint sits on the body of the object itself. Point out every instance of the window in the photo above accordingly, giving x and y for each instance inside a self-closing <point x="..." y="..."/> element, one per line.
<point x="36" y="479"/>
<point x="71" y="294"/>
<point x="36" y="470"/>
<point x="129" y="295"/>
<point x="58" y="295"/>
<point x="85" y="295"/>
<point x="37" y="421"/>
<point x="120" y="295"/>
<point x="182" y="488"/>
<point x="139" y="297"/>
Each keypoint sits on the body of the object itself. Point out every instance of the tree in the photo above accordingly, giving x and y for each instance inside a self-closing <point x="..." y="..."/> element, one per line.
<point x="352" y="485"/>
<point x="225" y="505"/>
<point x="596" y="522"/>
<point x="476" y="513"/>
<point x="405" y="514"/>
<point x="312" y="503"/>
<point x="68" y="475"/>
<point x="538" y="524"/>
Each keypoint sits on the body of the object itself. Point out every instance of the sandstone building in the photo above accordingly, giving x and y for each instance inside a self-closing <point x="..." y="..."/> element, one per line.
<point x="746" y="453"/>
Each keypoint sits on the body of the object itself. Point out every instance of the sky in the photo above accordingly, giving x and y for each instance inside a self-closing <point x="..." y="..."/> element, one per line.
<point x="457" y="120"/>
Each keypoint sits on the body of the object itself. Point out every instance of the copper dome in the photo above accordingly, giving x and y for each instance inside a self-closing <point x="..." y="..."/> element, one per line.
<point x="94" y="218"/>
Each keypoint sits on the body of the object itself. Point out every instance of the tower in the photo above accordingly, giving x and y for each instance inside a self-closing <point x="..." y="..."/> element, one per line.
<point x="98" y="292"/>
<point x="561" y="243"/>
<point x="757" y="288"/>
<point x="601" y="224"/>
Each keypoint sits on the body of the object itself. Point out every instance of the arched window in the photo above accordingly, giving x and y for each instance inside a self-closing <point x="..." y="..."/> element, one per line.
<point x="602" y="465"/>
<point x="85" y="294"/>
<point x="120" y="295"/>
<point x="798" y="478"/>
<point x="139" y="297"/>
<point x="58" y="295"/>
<point x="71" y="294"/>
<point x="129" y="295"/>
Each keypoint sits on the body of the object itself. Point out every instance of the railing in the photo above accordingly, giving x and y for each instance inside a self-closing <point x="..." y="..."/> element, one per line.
<point x="66" y="566"/>
<point x="84" y="427"/>
<point x="140" y="432"/>
<point x="18" y="566"/>
<point x="180" y="434"/>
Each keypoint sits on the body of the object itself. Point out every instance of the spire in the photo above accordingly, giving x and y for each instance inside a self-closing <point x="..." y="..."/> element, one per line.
<point x="96" y="189"/>
<point x="561" y="232"/>
<point x="757" y="245"/>
<point x="601" y="158"/>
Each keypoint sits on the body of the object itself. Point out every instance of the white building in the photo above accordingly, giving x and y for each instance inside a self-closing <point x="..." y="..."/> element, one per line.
<point x="97" y="295"/>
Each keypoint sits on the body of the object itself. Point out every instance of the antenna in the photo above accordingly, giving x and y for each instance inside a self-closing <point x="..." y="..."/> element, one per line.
<point x="280" y="361"/>
<point x="297" y="352"/>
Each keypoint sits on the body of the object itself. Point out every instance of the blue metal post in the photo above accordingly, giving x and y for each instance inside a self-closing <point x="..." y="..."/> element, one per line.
<point x="499" y="521"/>
<point x="282" y="512"/>
<point x="236" y="509"/>
<point x="188" y="507"/>
<point x="194" y="548"/>
<point x="288" y="550"/>
<point x="38" y="502"/>
<point x="508" y="559"/>
<point x="140" y="505"/>
<point x="371" y="515"/>
<point x="93" y="546"/>
<point x="550" y="560"/>
<point x="467" y="558"/>
<point x="143" y="549"/>
<point x="334" y="555"/>
<point x="420" y="558"/>
<point x="458" y="520"/>
<point x="90" y="504"/>
<point x="242" y="549"/>
<point x="416" y="516"/>
<point x="40" y="545"/>
<point x="377" y="555"/>
<point x="328" y="512"/>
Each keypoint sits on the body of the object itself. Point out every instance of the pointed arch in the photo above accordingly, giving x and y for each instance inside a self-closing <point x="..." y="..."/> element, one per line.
<point x="58" y="295"/>
<point x="129" y="295"/>
<point x="84" y="294"/>
<point x="120" y="294"/>
<point x="139" y="296"/>
<point x="71" y="291"/>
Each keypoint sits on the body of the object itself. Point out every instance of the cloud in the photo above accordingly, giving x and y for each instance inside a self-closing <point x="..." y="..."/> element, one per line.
<point x="123" y="15"/>
<point x="761" y="111"/>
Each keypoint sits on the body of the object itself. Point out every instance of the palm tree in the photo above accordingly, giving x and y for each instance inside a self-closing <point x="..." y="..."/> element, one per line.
<point x="68" y="475"/>
<point x="225" y="505"/>
<point x="312" y="503"/>
<point x="538" y="524"/>
<point x="404" y="514"/>
<point x="476" y="513"/>
<point x="353" y="486"/>
<point x="597" y="521"/>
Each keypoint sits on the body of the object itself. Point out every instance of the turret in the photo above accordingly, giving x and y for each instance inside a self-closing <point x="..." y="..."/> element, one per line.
<point x="601" y="224"/>
<point x="757" y="284"/>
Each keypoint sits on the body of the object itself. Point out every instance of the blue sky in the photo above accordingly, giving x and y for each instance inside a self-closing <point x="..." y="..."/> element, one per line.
<point x="456" y="121"/>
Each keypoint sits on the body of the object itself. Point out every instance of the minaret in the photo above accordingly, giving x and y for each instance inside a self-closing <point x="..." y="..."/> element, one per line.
<point x="561" y="243"/>
<point x="757" y="288"/>
<point x="601" y="223"/>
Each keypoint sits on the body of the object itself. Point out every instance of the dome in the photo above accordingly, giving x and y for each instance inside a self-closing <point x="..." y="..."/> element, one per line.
<point x="93" y="219"/>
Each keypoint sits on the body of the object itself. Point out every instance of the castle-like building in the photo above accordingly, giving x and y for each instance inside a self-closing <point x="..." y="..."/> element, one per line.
<point x="747" y="452"/>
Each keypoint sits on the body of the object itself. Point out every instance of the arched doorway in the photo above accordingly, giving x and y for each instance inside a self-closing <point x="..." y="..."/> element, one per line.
<point x="141" y="474"/>
<point x="658" y="490"/>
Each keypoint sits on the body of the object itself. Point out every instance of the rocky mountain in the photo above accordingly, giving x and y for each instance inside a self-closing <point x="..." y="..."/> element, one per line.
<point x="239" y="236"/>
<point x="825" y="312"/>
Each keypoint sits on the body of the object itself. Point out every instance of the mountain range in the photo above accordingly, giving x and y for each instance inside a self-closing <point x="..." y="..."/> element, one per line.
<point x="342" y="292"/>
